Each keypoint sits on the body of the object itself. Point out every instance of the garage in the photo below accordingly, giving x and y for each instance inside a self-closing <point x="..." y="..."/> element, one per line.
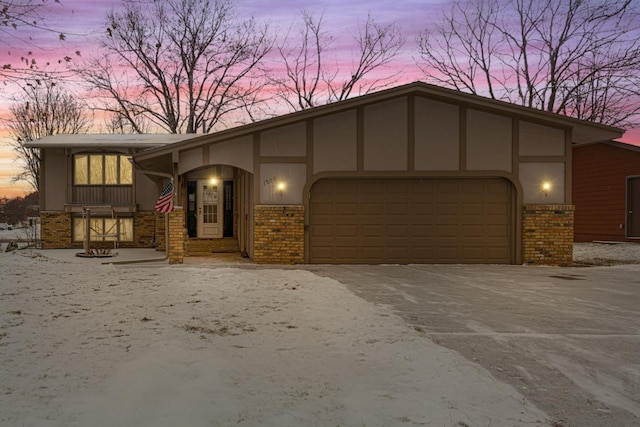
<point x="411" y="220"/>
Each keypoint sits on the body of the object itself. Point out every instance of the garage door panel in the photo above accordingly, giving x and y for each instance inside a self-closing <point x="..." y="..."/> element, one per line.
<point x="397" y="208"/>
<point x="447" y="208"/>
<point x="472" y="187"/>
<point x="473" y="208"/>
<point x="322" y="209"/>
<point x="397" y="231"/>
<point x="497" y="231"/>
<point x="347" y="230"/>
<point x="472" y="231"/>
<point x="372" y="231"/>
<point x="447" y="230"/>
<point x="346" y="208"/>
<point x="411" y="221"/>
<point x="322" y="230"/>
<point x="421" y="231"/>
<point x="371" y="252"/>
<point x="422" y="208"/>
<point x="371" y="208"/>
<point x="347" y="252"/>
<point x="497" y="209"/>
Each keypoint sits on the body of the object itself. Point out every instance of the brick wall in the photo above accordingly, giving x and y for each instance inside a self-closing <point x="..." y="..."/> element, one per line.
<point x="278" y="234"/>
<point x="55" y="230"/>
<point x="144" y="229"/>
<point x="547" y="236"/>
<point x="160" y="232"/>
<point x="56" y="233"/>
<point x="176" y="236"/>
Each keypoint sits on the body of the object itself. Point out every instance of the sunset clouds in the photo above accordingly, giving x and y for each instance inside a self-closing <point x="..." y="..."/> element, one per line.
<point x="82" y="22"/>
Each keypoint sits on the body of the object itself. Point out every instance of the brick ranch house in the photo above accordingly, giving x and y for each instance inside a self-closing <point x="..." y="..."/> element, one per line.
<point x="606" y="192"/>
<point x="412" y="174"/>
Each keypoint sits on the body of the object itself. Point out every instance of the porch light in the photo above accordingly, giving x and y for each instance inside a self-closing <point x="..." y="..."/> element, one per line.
<point x="546" y="187"/>
<point x="213" y="181"/>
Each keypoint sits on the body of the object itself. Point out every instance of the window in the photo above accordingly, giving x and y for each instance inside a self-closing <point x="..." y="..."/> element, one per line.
<point x="104" y="229"/>
<point x="102" y="169"/>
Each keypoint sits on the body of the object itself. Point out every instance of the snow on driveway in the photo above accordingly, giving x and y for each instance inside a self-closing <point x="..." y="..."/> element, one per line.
<point x="156" y="345"/>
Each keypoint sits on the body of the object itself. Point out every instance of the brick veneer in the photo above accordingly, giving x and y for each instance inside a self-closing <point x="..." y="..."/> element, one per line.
<point x="56" y="233"/>
<point x="278" y="234"/>
<point x="547" y="236"/>
<point x="176" y="236"/>
<point x="160" y="232"/>
<point x="144" y="229"/>
<point x="55" y="230"/>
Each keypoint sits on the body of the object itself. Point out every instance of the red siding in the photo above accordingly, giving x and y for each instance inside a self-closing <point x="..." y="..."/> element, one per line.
<point x="599" y="190"/>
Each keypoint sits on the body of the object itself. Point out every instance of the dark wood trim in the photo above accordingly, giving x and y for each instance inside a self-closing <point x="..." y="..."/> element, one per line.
<point x="360" y="138"/>
<point x="463" y="138"/>
<point x="411" y="133"/>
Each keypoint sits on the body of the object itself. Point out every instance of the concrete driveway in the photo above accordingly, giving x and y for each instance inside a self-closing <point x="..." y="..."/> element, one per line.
<point x="567" y="338"/>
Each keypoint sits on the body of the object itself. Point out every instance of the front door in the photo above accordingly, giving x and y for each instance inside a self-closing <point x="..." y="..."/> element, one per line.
<point x="209" y="215"/>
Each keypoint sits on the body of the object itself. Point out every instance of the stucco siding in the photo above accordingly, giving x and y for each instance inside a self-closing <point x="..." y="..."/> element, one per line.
<point x="532" y="177"/>
<point x="236" y="152"/>
<point x="146" y="192"/>
<point x="55" y="177"/>
<point x="386" y="136"/>
<point x="336" y="133"/>
<point x="437" y="135"/>
<point x="538" y="140"/>
<point x="287" y="140"/>
<point x="489" y="141"/>
<point x="189" y="160"/>
<point x="282" y="183"/>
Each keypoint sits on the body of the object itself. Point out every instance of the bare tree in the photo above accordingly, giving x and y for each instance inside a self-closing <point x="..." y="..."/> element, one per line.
<point x="575" y="57"/>
<point x="45" y="108"/>
<point x="182" y="65"/>
<point x="15" y="17"/>
<point x="312" y="79"/>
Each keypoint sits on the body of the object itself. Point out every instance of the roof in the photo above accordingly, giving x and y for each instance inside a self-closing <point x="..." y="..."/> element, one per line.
<point x="108" y="140"/>
<point x="615" y="144"/>
<point x="584" y="132"/>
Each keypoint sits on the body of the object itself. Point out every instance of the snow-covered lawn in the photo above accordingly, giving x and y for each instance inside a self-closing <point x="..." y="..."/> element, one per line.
<point x="606" y="253"/>
<point x="85" y="344"/>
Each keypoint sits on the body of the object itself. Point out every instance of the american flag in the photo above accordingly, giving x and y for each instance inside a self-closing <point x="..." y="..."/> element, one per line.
<point x="165" y="201"/>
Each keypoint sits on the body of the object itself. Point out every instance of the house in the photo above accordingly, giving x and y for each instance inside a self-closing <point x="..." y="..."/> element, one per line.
<point x="86" y="175"/>
<point x="606" y="192"/>
<point x="412" y="174"/>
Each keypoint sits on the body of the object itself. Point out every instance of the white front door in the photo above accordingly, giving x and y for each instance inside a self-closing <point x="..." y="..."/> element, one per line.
<point x="209" y="215"/>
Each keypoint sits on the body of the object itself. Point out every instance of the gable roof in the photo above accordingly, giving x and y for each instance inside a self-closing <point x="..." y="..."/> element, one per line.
<point x="584" y="132"/>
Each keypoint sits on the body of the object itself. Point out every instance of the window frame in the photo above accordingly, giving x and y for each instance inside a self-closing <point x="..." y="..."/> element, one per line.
<point x="120" y="172"/>
<point x="120" y="233"/>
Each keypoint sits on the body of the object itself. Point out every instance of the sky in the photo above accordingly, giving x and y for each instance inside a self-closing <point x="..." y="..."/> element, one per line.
<point x="82" y="22"/>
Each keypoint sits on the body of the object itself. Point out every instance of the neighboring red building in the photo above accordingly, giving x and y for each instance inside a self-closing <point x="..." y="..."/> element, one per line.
<point x="606" y="192"/>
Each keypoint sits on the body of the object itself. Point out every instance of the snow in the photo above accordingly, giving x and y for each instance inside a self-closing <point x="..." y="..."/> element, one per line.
<point x="218" y="344"/>
<point x="83" y="343"/>
<point x="606" y="253"/>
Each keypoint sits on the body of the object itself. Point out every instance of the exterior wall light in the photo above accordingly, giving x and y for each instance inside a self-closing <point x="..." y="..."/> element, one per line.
<point x="546" y="187"/>
<point x="281" y="187"/>
<point x="213" y="181"/>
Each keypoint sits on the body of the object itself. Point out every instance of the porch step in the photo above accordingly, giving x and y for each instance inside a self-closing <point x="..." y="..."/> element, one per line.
<point x="206" y="247"/>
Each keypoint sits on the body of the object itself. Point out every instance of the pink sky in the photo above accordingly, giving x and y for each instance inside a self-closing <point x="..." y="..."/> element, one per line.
<point x="82" y="22"/>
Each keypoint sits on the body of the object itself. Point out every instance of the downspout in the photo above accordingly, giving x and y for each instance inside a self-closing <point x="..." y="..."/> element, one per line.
<point x="166" y="224"/>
